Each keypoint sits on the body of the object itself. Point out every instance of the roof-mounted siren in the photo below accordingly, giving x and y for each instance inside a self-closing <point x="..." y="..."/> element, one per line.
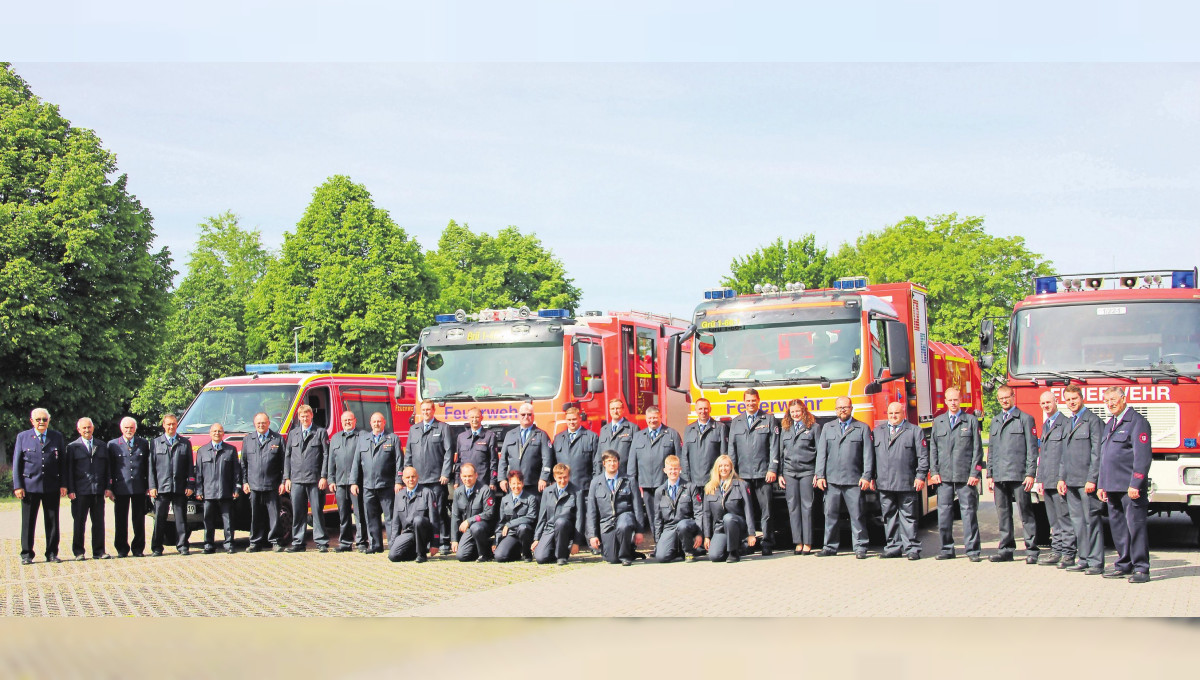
<point x="850" y="283"/>
<point x="310" y="367"/>
<point x="1094" y="282"/>
<point x="720" y="293"/>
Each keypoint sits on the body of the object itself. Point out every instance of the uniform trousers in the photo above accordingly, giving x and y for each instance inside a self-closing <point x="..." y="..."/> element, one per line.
<point x="1127" y="522"/>
<point x="677" y="539"/>
<point x="414" y="540"/>
<point x="727" y="538"/>
<point x="163" y="505"/>
<point x="128" y="507"/>
<point x="836" y="496"/>
<point x="555" y="544"/>
<point x="264" y="519"/>
<point x="214" y="509"/>
<point x="617" y="545"/>
<point x="352" y="518"/>
<point x="1062" y="534"/>
<point x="800" y="494"/>
<point x="1088" y="532"/>
<point x="475" y="542"/>
<point x="900" y="522"/>
<point x="515" y="545"/>
<point x="441" y="500"/>
<point x="306" y="496"/>
<point x="761" y="492"/>
<point x="968" y="504"/>
<point x="1005" y="494"/>
<point x="377" y="504"/>
<point x="47" y="503"/>
<point x="83" y="508"/>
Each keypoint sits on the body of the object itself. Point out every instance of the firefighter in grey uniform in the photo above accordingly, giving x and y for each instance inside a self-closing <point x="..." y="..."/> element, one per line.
<point x="615" y="516"/>
<point x="647" y="454"/>
<point x="518" y="517"/>
<point x="1011" y="467"/>
<point x="576" y="448"/>
<point x="172" y="482"/>
<point x="798" y="439"/>
<point x="218" y="481"/>
<point x="845" y="468"/>
<point x="430" y="451"/>
<point x="901" y="465"/>
<point x="526" y="448"/>
<point x="1078" y="474"/>
<point x="412" y="530"/>
<point x="478" y="447"/>
<point x="1125" y="455"/>
<point x="956" y="461"/>
<point x="472" y="516"/>
<point x="703" y="441"/>
<point x="615" y="435"/>
<point x="87" y="478"/>
<point x="376" y="465"/>
<point x="753" y="447"/>
<point x="345" y="447"/>
<point x="677" y="511"/>
<point x="1050" y="450"/>
<point x="559" y="531"/>
<point x="728" y="514"/>
<point x="262" y="478"/>
<point x="306" y="448"/>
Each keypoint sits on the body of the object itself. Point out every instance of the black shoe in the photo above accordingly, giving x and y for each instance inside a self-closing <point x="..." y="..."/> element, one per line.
<point x="80" y="558"/>
<point x="1000" y="557"/>
<point x="1094" y="571"/>
<point x="137" y="554"/>
<point x="26" y="560"/>
<point x="826" y="552"/>
<point x="914" y="556"/>
<point x="364" y="549"/>
<point x="767" y="552"/>
<point x="1139" y="577"/>
<point x="944" y="556"/>
<point x="323" y="548"/>
<point x="53" y="559"/>
<point x="102" y="556"/>
<point x="373" y="551"/>
<point x="156" y="553"/>
<point x="732" y="559"/>
<point x="1079" y="566"/>
<point x="975" y="558"/>
<point x="279" y="548"/>
<point x="208" y="550"/>
<point x="253" y="548"/>
<point x="1116" y="574"/>
<point x="1031" y="559"/>
<point x="229" y="551"/>
<point x="295" y="548"/>
<point x="1053" y="558"/>
<point x="122" y="555"/>
<point x="342" y="548"/>
<point x="860" y="554"/>
<point x="1066" y="563"/>
<point x="529" y="558"/>
<point x="422" y="558"/>
<point x="185" y="551"/>
<point x="639" y="556"/>
<point x="563" y="563"/>
<point x="888" y="555"/>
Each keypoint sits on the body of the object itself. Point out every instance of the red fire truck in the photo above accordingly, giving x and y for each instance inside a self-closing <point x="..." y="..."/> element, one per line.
<point x="1136" y="330"/>
<point x="499" y="358"/>
<point x="278" y="390"/>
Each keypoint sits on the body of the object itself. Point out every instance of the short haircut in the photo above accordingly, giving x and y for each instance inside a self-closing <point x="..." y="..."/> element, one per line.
<point x="653" y="409"/>
<point x="517" y="475"/>
<point x="1073" y="389"/>
<point x="1005" y="388"/>
<point x="83" y="420"/>
<point x="304" y="408"/>
<point x="573" y="411"/>
<point x="475" y="409"/>
<point x="170" y="416"/>
<point x="750" y="392"/>
<point x="128" y="419"/>
<point x="609" y="454"/>
<point x="561" y="468"/>
<point x="617" y="400"/>
<point x="702" y="399"/>
<point x="671" y="460"/>
<point x="953" y="389"/>
<point x="39" y="412"/>
<point x="268" y="415"/>
<point x="427" y="401"/>
<point x="1114" y="389"/>
<point x="465" y="466"/>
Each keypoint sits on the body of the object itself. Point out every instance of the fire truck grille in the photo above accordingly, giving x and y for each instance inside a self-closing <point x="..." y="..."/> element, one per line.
<point x="1164" y="422"/>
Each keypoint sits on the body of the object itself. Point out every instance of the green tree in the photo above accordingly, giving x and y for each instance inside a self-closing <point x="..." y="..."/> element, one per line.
<point x="206" y="330"/>
<point x="81" y="292"/>
<point x="352" y="278"/>
<point x="780" y="263"/>
<point x="510" y="269"/>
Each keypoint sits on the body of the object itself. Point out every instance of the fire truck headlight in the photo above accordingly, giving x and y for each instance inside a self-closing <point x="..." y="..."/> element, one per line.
<point x="1191" y="476"/>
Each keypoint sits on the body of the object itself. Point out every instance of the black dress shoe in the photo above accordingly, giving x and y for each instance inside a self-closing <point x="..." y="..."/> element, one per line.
<point x="102" y="556"/>
<point x="122" y="555"/>
<point x="53" y="559"/>
<point x="229" y="551"/>
<point x="1078" y="566"/>
<point x="1094" y="571"/>
<point x="363" y="549"/>
<point x="529" y="558"/>
<point x="80" y="558"/>
<point x="1031" y="559"/>
<point x="1066" y="564"/>
<point x="137" y="554"/>
<point x="1116" y="574"/>
<point x="208" y="550"/>
<point x="156" y="553"/>
<point x="295" y="548"/>
<point x="279" y="548"/>
<point x="1052" y="558"/>
<point x="826" y="552"/>
<point x="888" y="555"/>
<point x="860" y="554"/>
<point x="914" y="556"/>
<point x="767" y="552"/>
<point x="1139" y="577"/>
<point x="253" y="548"/>
<point x="639" y="556"/>
<point x="422" y="558"/>
<point x="185" y="551"/>
<point x="26" y="560"/>
<point x="1000" y="557"/>
<point x="323" y="548"/>
<point x="342" y="548"/>
<point x="975" y="558"/>
<point x="944" y="556"/>
<point x="561" y="563"/>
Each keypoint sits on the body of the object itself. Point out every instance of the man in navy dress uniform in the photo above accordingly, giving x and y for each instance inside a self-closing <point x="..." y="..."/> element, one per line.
<point x="129" y="466"/>
<point x="39" y="464"/>
<point x="1125" y="455"/>
<point x="87" y="485"/>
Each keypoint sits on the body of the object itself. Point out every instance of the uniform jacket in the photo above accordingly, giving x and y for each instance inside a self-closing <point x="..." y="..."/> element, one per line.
<point x="1125" y="452"/>
<point x="218" y="474"/>
<point x="845" y="457"/>
<point x="619" y="442"/>
<point x="687" y="504"/>
<point x="479" y="451"/>
<point x="753" y="449"/>
<point x="700" y="451"/>
<point x="1012" y="447"/>
<point x="534" y="459"/>
<point x="1080" y="462"/>
<point x="37" y="467"/>
<point x="956" y="454"/>
<point x="87" y="471"/>
<point x="171" y="469"/>
<point x="798" y="450"/>
<point x="1050" y="450"/>
<point x="129" y="466"/>
<point x="430" y="452"/>
<point x="604" y="506"/>
<point x="378" y="463"/>
<point x="900" y="460"/>
<point x="735" y="499"/>
<point x="521" y="511"/>
<point x="480" y="507"/>
<point x="344" y="450"/>
<point x="582" y="455"/>
<point x="262" y="465"/>
<point x="647" y="453"/>
<point x="305" y="459"/>
<point x="569" y="505"/>
<point x="405" y="510"/>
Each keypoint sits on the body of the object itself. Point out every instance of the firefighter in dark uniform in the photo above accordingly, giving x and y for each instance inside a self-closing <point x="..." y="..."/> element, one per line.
<point x="677" y="510"/>
<point x="307" y="446"/>
<point x="559" y="530"/>
<point x="526" y="448"/>
<point x="129" y="461"/>
<point x="518" y="517"/>
<point x="413" y="529"/>
<point x="431" y="451"/>
<point x="798" y="439"/>
<point x="87" y="484"/>
<point x="376" y="466"/>
<point x="1125" y="455"/>
<point x="262" y="478"/>
<point x="647" y="455"/>
<point x="472" y="516"/>
<point x="343" y="470"/>
<point x="218" y="481"/>
<point x="615" y="435"/>
<point x="753" y="447"/>
<point x="1050" y="449"/>
<point x="615" y="518"/>
<point x="845" y="468"/>
<point x="703" y="441"/>
<point x="901" y="465"/>
<point x="728" y="513"/>
<point x="956" y="461"/>
<point x="1011" y="467"/>
<point x="1079" y="472"/>
<point x="39" y="481"/>
<point x="478" y="447"/>
<point x="172" y="482"/>
<point x="575" y="447"/>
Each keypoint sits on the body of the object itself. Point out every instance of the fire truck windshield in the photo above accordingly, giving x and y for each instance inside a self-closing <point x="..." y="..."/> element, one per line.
<point x="1129" y="339"/>
<point x="234" y="407"/>
<point x="485" y="372"/>
<point x="779" y="354"/>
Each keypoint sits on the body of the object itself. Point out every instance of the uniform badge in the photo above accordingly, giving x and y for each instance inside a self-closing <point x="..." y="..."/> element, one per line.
<point x="699" y="498"/>
<point x="776" y="429"/>
<point x="1139" y="475"/>
<point x="489" y="502"/>
<point x="924" y="441"/>
<point x="1143" y="437"/>
<point x="978" y="468"/>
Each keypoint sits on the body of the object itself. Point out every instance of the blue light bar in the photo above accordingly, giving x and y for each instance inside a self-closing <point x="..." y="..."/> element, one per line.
<point x="1045" y="284"/>
<point x="1183" y="279"/>
<point x="553" y="314"/>
<point x="310" y="367"/>
<point x="720" y="294"/>
<point x="850" y="283"/>
<point x="444" y="318"/>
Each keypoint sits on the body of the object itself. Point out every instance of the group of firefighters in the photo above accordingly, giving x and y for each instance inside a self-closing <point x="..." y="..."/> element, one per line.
<point x="706" y="491"/>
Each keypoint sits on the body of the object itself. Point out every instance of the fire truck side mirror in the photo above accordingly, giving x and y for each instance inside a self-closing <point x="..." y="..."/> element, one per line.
<point x="673" y="361"/>
<point x="399" y="392"/>
<point x="987" y="360"/>
<point x="899" y="361"/>
<point x="987" y="336"/>
<point x="595" y="362"/>
<point x="595" y="385"/>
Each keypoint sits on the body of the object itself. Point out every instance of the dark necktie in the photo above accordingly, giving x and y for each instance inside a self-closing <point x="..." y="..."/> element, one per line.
<point x="612" y="485"/>
<point x="262" y="440"/>
<point x="953" y="421"/>
<point x="673" y="487"/>
<point x="42" y="439"/>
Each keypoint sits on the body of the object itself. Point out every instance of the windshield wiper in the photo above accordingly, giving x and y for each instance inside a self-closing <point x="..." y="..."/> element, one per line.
<point x="1168" y="370"/>
<point x="805" y="380"/>
<point x="511" y="395"/>
<point x="1110" y="374"/>
<point x="456" y="395"/>
<point x="1065" y="376"/>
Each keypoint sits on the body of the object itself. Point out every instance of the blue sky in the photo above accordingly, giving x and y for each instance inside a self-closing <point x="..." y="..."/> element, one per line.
<point x="646" y="174"/>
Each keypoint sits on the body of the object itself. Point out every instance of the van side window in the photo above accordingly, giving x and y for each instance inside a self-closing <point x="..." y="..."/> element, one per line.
<point x="318" y="399"/>
<point x="365" y="401"/>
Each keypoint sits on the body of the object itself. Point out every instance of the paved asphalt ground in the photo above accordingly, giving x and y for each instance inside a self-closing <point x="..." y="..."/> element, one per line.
<point x="314" y="584"/>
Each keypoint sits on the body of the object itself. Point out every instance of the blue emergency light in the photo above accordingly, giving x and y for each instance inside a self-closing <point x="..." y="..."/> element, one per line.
<point x="1183" y="279"/>
<point x="1045" y="284"/>
<point x="850" y="283"/>
<point x="444" y="318"/>
<point x="310" y="367"/>
<point x="720" y="294"/>
<point x="553" y="314"/>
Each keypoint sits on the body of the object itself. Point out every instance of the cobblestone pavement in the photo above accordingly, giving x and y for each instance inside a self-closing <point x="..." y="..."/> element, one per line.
<point x="350" y="584"/>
